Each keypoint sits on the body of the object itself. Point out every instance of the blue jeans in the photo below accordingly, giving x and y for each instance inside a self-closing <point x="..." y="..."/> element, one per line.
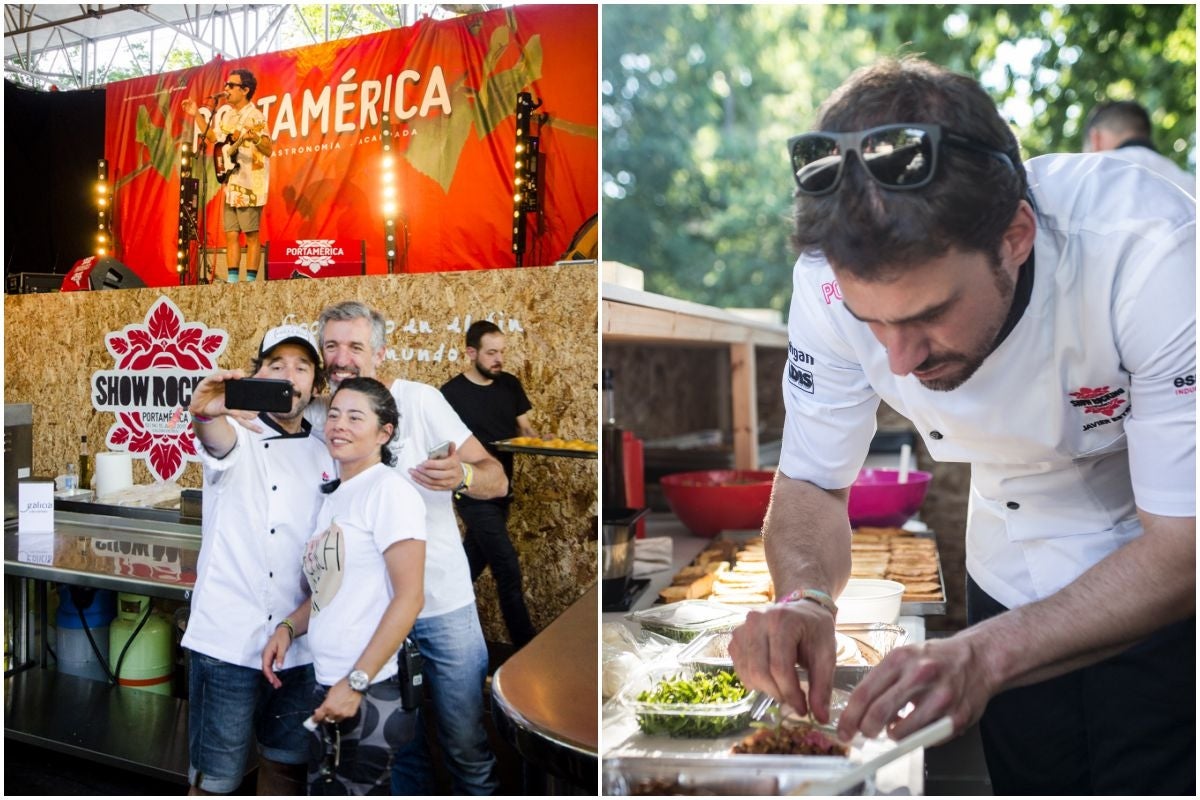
<point x="230" y="707"/>
<point x="456" y="663"/>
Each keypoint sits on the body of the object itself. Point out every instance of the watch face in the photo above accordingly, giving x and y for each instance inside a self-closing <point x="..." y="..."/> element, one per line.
<point x="358" y="680"/>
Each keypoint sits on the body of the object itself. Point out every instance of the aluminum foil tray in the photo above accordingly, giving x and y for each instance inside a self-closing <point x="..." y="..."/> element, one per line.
<point x="720" y="774"/>
<point x="710" y="651"/>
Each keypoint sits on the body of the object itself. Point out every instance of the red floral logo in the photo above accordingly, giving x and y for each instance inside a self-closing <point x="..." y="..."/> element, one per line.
<point x="1100" y="400"/>
<point x="158" y="363"/>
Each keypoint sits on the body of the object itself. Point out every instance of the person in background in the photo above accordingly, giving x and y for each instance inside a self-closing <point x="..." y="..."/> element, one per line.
<point x="261" y="496"/>
<point x="239" y="130"/>
<point x="365" y="567"/>
<point x="1121" y="128"/>
<point x="1038" y="321"/>
<point x="447" y="631"/>
<point x="494" y="406"/>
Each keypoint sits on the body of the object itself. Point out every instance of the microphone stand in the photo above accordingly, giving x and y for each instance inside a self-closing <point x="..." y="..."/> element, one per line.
<point x="202" y="152"/>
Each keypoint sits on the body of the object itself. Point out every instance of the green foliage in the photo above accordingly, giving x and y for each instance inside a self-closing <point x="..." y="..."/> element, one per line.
<point x="698" y="102"/>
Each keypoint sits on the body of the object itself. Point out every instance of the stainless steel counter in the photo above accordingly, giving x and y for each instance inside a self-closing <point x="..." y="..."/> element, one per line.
<point x="117" y="725"/>
<point x="544" y="698"/>
<point x="147" y="557"/>
<point x="620" y="734"/>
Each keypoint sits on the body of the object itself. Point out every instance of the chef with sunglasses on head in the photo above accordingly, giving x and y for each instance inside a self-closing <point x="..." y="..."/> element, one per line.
<point x="1038" y="322"/>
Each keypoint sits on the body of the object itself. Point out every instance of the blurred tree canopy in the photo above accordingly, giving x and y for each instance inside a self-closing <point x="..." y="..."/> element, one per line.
<point x="698" y="102"/>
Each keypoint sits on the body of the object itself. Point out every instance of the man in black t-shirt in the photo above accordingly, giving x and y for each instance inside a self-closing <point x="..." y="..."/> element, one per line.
<point x="493" y="405"/>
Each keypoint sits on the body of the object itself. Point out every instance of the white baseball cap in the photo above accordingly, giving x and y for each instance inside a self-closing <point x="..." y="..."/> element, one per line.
<point x="290" y="334"/>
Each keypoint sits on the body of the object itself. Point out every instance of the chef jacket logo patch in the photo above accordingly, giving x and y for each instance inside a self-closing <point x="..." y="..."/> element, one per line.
<point x="798" y="376"/>
<point x="159" y="361"/>
<point x="1102" y="401"/>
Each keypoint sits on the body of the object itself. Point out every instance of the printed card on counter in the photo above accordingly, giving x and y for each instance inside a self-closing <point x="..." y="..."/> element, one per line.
<point x="35" y="507"/>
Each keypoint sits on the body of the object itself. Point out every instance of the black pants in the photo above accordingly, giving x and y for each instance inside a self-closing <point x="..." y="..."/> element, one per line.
<point x="1126" y="725"/>
<point x="487" y="544"/>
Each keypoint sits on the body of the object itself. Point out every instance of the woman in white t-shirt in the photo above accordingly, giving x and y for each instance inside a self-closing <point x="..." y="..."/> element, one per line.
<point x="364" y="566"/>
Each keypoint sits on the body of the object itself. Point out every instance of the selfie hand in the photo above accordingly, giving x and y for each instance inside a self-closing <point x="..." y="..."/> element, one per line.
<point x="208" y="400"/>
<point x="439" y="474"/>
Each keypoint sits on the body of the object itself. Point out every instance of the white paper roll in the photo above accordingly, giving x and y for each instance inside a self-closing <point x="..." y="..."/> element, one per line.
<point x="114" y="472"/>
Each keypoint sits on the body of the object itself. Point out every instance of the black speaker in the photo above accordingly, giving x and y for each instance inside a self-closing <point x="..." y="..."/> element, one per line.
<point x="108" y="273"/>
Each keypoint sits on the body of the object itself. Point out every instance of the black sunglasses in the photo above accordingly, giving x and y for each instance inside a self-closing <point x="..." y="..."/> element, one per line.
<point x="229" y="85"/>
<point x="900" y="156"/>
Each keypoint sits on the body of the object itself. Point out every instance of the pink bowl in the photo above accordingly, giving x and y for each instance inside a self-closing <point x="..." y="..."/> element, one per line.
<point x="878" y="500"/>
<point x="711" y="501"/>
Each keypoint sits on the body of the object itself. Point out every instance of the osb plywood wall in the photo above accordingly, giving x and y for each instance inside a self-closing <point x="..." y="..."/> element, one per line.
<point x="53" y="343"/>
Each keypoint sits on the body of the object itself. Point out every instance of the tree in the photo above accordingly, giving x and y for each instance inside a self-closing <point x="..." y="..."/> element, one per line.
<point x="698" y="102"/>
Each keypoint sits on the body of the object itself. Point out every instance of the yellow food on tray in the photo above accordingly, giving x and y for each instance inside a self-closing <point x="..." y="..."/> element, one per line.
<point x="552" y="444"/>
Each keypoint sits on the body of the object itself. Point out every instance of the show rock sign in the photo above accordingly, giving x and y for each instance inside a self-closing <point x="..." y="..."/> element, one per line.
<point x="158" y="362"/>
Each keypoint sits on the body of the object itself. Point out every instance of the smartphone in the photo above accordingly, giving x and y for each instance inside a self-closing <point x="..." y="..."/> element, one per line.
<point x="440" y="451"/>
<point x="259" y="394"/>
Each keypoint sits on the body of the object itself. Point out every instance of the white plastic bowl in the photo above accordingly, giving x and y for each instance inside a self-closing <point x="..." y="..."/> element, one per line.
<point x="869" y="600"/>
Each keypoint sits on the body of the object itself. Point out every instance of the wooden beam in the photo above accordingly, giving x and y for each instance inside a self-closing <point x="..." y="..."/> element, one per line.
<point x="745" y="405"/>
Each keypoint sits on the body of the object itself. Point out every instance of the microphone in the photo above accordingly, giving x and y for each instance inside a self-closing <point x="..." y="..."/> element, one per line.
<point x="218" y="95"/>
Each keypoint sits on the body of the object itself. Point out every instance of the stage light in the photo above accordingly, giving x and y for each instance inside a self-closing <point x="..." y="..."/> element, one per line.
<point x="525" y="177"/>
<point x="388" y="194"/>
<point x="189" y="210"/>
<point x="103" y="234"/>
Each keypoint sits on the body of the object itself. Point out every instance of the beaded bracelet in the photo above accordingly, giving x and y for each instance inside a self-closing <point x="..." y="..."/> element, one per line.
<point x="815" y="595"/>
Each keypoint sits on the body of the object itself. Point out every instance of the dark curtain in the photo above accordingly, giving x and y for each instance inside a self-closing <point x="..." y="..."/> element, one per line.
<point x="52" y="142"/>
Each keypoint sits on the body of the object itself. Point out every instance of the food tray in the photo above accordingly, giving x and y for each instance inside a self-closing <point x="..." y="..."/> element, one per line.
<point x="927" y="608"/>
<point x="710" y="651"/>
<point x="685" y="720"/>
<point x="507" y="447"/>
<point x="721" y="774"/>
<point x="687" y="619"/>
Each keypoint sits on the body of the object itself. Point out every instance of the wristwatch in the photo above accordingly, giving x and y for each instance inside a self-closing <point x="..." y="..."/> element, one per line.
<point x="358" y="680"/>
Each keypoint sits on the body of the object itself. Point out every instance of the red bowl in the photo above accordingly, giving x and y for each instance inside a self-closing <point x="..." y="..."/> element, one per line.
<point x="877" y="499"/>
<point x="711" y="501"/>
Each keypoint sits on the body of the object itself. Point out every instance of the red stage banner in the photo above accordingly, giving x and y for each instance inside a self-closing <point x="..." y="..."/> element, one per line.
<point x="451" y="87"/>
<point x="314" y="258"/>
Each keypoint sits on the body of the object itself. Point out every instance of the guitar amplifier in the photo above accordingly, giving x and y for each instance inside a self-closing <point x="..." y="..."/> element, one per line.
<point x="33" y="282"/>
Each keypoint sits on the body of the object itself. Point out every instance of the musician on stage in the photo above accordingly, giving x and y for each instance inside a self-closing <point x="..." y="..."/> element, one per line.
<point x="239" y="130"/>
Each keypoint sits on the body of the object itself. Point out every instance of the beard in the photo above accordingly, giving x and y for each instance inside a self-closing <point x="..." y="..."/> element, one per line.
<point x="971" y="360"/>
<point x="491" y="373"/>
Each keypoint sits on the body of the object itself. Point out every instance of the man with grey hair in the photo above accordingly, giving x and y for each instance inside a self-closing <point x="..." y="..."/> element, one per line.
<point x="448" y="632"/>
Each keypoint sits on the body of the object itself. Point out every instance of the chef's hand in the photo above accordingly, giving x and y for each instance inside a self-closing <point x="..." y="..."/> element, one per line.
<point x="769" y="645"/>
<point x="439" y="474"/>
<point x="340" y="703"/>
<point x="273" y="654"/>
<point x="942" y="677"/>
<point x="208" y="400"/>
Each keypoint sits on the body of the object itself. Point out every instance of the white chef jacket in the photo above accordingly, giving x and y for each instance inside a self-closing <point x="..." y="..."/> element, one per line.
<point x="426" y="420"/>
<point x="1156" y="162"/>
<point x="260" y="506"/>
<point x="1086" y="410"/>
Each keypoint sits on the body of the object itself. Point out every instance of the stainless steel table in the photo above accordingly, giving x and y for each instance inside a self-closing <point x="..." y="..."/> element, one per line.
<point x="905" y="776"/>
<point x="544" y="701"/>
<point x="124" y="727"/>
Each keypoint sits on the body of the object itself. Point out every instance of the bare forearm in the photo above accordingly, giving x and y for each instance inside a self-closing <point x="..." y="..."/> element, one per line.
<point x="1146" y="585"/>
<point x="216" y="435"/>
<point x="807" y="537"/>
<point x="489" y="480"/>
<point x="405" y="562"/>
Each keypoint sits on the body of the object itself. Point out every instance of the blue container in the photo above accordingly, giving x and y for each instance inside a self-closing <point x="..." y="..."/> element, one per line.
<point x="74" y="651"/>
